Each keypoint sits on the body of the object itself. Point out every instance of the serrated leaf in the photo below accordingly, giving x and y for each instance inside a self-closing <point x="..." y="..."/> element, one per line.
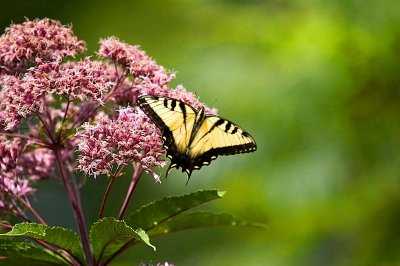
<point x="154" y="213"/>
<point x="57" y="236"/>
<point x="198" y="219"/>
<point x="22" y="251"/>
<point x="108" y="235"/>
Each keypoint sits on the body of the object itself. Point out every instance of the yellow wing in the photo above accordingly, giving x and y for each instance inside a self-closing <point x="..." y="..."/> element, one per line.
<point x="174" y="118"/>
<point x="218" y="136"/>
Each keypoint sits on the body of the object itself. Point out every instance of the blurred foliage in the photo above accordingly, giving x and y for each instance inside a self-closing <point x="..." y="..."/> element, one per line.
<point x="316" y="83"/>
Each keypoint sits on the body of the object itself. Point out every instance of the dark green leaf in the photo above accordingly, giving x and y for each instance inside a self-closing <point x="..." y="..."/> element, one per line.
<point x="199" y="219"/>
<point x="56" y="236"/>
<point x="154" y="213"/>
<point x="108" y="235"/>
<point x="22" y="251"/>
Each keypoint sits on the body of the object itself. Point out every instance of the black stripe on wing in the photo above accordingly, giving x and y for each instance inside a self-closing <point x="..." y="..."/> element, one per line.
<point x="212" y="154"/>
<point x="148" y="110"/>
<point x="235" y="149"/>
<point x="168" y="138"/>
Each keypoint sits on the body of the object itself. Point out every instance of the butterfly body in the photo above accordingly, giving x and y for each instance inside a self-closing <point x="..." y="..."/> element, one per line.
<point x="191" y="137"/>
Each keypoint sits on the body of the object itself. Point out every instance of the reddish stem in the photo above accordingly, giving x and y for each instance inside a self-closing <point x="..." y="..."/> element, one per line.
<point x="5" y="226"/>
<point x="63" y="120"/>
<point x="46" y="128"/>
<point x="107" y="192"/>
<point x="33" y="139"/>
<point x="33" y="211"/>
<point x="135" y="178"/>
<point x="77" y="210"/>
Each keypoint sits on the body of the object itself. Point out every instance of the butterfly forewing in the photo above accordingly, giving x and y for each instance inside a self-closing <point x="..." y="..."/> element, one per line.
<point x="174" y="118"/>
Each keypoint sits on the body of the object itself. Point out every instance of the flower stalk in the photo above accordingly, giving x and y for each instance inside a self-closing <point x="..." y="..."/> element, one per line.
<point x="135" y="178"/>
<point x="33" y="211"/>
<point x="77" y="210"/>
<point x="108" y="189"/>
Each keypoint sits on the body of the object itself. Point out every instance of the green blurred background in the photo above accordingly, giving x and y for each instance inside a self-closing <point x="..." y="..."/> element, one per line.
<point x="317" y="83"/>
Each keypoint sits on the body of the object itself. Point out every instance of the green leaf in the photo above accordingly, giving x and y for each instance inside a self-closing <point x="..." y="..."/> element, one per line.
<point x="56" y="236"/>
<point x="63" y="128"/>
<point x="23" y="251"/>
<point x="108" y="235"/>
<point x="154" y="213"/>
<point x="42" y="133"/>
<point x="198" y="219"/>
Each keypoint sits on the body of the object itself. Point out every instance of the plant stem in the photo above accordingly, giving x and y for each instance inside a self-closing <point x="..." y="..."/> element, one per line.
<point x="32" y="139"/>
<point x="5" y="226"/>
<point x="32" y="210"/>
<point x="77" y="210"/>
<point x="46" y="128"/>
<point x="135" y="178"/>
<point x="67" y="257"/>
<point x="63" y="120"/>
<point x="107" y="192"/>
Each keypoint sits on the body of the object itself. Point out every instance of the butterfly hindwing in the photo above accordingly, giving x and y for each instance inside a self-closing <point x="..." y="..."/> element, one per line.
<point x="218" y="136"/>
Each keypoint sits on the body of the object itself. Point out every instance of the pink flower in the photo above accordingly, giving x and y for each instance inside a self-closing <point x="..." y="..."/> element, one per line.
<point x="14" y="187"/>
<point x="37" y="164"/>
<point x="46" y="39"/>
<point x="129" y="138"/>
<point x="190" y="98"/>
<point x="18" y="98"/>
<point x="11" y="185"/>
<point x="81" y="80"/>
<point x="22" y="97"/>
<point x="148" y="77"/>
<point x="123" y="93"/>
<point x="129" y="56"/>
<point x="9" y="153"/>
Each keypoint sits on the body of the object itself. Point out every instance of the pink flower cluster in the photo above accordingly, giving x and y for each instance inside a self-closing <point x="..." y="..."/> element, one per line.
<point x="81" y="80"/>
<point x="12" y="186"/>
<point x="23" y="96"/>
<point x="129" y="56"/>
<point x="129" y="138"/>
<point x="18" y="98"/>
<point x="45" y="39"/>
<point x="9" y="153"/>
<point x="148" y="77"/>
<point x="37" y="164"/>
